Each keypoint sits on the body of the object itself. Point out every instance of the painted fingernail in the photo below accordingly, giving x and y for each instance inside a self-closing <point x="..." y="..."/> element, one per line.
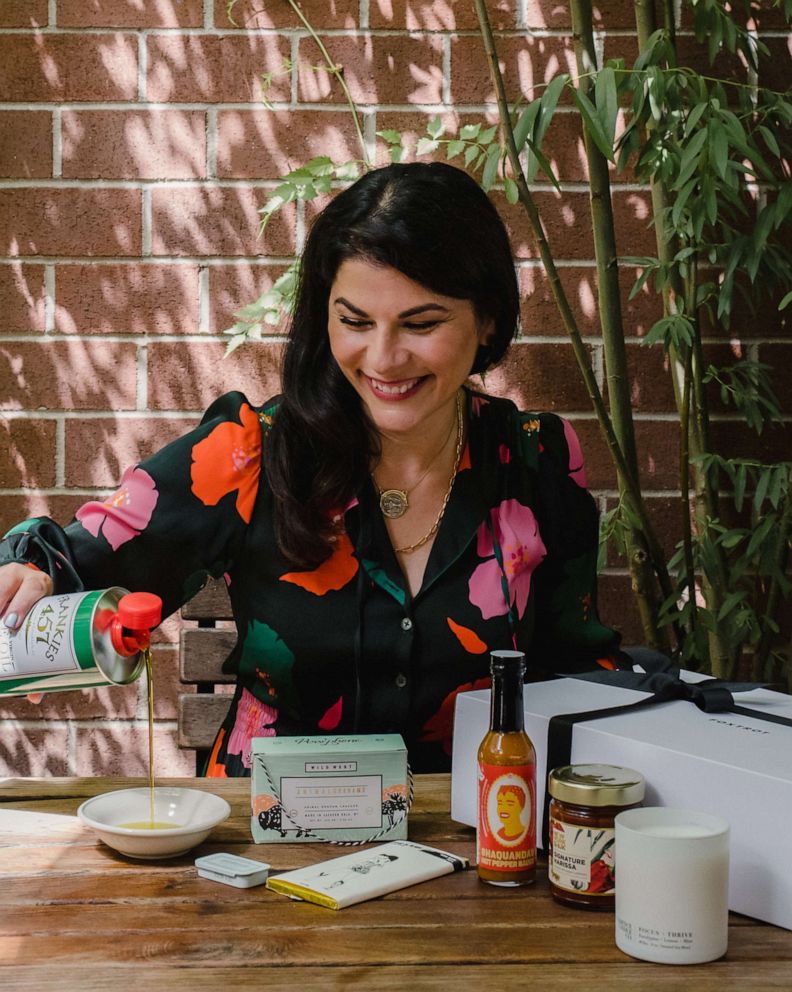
<point x="11" y="621"/>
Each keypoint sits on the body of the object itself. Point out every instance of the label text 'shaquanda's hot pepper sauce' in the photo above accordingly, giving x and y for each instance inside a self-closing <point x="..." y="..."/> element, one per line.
<point x="506" y="835"/>
<point x="581" y="860"/>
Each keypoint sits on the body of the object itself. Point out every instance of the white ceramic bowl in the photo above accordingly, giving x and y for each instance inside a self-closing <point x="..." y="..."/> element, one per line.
<point x="191" y="812"/>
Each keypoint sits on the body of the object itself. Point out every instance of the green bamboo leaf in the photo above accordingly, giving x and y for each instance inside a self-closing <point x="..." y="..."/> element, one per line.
<point x="740" y="481"/>
<point x="592" y="124"/>
<point x="681" y="200"/>
<point x="490" y="173"/>
<point x="732" y="538"/>
<point x="511" y="190"/>
<point x="640" y="282"/>
<point x="761" y="489"/>
<point x="694" y="117"/>
<point x="536" y="160"/>
<point x="760" y="534"/>
<point x="785" y="302"/>
<point x="525" y="124"/>
<point x="776" y="487"/>
<point x="770" y="140"/>
<point x="690" y="157"/>
<point x="731" y="601"/>
<point x="549" y="102"/>
<point x="719" y="150"/>
<point x="607" y="102"/>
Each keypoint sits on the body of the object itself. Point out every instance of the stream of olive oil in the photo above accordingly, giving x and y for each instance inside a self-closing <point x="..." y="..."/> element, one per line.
<point x="151" y="824"/>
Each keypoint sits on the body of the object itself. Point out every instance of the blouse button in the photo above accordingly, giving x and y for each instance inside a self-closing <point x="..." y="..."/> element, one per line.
<point x="401" y="681"/>
<point x="406" y="624"/>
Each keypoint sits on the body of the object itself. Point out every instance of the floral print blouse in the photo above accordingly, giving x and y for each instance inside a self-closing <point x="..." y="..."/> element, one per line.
<point x="344" y="647"/>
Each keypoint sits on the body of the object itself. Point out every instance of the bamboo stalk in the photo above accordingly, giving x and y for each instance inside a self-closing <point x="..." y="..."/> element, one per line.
<point x="627" y="475"/>
<point x="684" y="489"/>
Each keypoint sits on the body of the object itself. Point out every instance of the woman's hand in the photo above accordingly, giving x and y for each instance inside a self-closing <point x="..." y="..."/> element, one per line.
<point x="20" y="588"/>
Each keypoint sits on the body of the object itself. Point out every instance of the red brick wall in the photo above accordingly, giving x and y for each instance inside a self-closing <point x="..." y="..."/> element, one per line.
<point x="135" y="153"/>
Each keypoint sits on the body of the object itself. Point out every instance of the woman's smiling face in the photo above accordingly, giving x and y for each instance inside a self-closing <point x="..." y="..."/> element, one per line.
<point x="405" y="349"/>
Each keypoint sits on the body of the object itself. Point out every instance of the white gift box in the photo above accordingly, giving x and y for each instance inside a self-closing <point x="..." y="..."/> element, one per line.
<point x="731" y="765"/>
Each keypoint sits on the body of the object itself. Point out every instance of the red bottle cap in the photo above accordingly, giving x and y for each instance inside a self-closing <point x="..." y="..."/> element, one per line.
<point x="140" y="610"/>
<point x="130" y="630"/>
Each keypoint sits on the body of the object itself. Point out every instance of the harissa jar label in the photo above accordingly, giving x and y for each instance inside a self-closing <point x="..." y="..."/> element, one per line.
<point x="582" y="858"/>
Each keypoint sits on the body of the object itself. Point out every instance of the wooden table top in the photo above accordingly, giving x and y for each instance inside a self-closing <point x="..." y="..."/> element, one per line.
<point x="76" y="915"/>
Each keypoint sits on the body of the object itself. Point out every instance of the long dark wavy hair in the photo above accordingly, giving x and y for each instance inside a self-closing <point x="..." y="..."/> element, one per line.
<point x="435" y="225"/>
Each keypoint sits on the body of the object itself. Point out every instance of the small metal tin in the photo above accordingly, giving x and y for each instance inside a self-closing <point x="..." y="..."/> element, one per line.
<point x="230" y="869"/>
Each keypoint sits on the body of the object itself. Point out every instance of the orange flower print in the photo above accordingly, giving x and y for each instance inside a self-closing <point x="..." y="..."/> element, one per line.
<point x="229" y="460"/>
<point x="340" y="568"/>
<point x="468" y="638"/>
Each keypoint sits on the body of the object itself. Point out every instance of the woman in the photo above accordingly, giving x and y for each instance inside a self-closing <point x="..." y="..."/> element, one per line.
<point x="381" y="527"/>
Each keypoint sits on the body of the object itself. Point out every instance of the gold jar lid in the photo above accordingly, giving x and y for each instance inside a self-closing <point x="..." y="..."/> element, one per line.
<point x="596" y="785"/>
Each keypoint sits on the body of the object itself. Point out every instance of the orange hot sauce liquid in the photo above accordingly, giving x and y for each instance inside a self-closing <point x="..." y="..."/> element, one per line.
<point x="506" y="835"/>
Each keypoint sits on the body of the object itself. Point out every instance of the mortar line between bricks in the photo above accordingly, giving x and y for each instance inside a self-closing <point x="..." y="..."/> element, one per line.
<point x="276" y="106"/>
<point x="262" y="184"/>
<point x="49" y="298"/>
<point x="57" y="144"/>
<point x="446" y="70"/>
<point x="219" y="260"/>
<point x="52" y="12"/>
<point x="145" y="221"/>
<point x="204" y="337"/>
<point x="208" y="15"/>
<point x="141" y="382"/>
<point x="364" y="15"/>
<point x="661" y="416"/>
<point x="537" y="31"/>
<point x="203" y="299"/>
<point x="142" y="69"/>
<point x="60" y="452"/>
<point x="211" y="142"/>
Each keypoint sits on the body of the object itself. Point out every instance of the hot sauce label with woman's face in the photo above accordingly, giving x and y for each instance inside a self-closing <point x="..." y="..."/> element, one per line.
<point x="506" y="838"/>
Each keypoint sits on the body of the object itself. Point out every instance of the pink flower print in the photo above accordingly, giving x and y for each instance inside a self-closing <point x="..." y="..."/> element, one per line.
<point x="517" y="533"/>
<point x="476" y="404"/>
<point x="126" y="513"/>
<point x="504" y="454"/>
<point x="253" y="719"/>
<point x="577" y="470"/>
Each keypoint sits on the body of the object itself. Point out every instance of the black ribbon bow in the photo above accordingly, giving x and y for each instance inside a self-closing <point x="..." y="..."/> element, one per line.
<point x="665" y="684"/>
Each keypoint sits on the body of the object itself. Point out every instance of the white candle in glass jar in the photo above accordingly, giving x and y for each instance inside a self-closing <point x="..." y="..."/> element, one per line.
<point x="672" y="885"/>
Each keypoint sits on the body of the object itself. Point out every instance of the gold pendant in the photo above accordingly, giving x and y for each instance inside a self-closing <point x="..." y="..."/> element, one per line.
<point x="393" y="502"/>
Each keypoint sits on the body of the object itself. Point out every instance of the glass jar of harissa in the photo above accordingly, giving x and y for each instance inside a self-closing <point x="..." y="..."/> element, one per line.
<point x="581" y="863"/>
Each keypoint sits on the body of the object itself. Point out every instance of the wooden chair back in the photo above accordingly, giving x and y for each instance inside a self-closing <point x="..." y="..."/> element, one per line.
<point x="202" y="651"/>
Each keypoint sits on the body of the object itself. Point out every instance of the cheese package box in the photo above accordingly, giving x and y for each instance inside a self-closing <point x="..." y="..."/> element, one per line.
<point x="334" y="788"/>
<point x="733" y="765"/>
<point x="352" y="878"/>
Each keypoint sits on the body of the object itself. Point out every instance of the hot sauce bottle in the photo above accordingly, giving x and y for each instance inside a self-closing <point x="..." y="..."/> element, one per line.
<point x="506" y="835"/>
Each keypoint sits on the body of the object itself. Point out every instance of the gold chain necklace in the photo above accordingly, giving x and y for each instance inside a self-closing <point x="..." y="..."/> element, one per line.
<point x="394" y="502"/>
<point x="457" y="458"/>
